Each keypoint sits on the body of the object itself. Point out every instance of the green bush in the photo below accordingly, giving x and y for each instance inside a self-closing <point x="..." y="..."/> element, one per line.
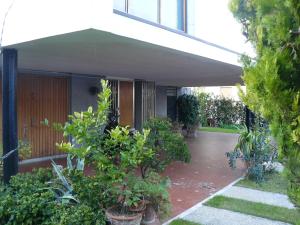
<point x="272" y="78"/>
<point x="188" y="110"/>
<point x="29" y="200"/>
<point x="255" y="149"/>
<point x="219" y="111"/>
<point x="166" y="144"/>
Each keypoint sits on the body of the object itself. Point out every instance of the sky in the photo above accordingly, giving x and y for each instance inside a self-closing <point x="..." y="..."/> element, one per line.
<point x="214" y="23"/>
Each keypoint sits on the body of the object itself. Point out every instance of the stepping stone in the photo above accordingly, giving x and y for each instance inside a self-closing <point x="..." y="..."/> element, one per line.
<point x="259" y="196"/>
<point x="213" y="216"/>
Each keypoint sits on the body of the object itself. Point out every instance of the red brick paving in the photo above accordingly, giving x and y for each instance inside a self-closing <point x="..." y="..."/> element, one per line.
<point x="207" y="173"/>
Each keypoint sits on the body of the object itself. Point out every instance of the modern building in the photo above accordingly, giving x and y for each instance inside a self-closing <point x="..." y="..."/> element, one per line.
<point x="55" y="52"/>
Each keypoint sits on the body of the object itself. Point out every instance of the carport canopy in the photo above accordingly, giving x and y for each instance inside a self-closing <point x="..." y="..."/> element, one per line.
<point x="100" y="53"/>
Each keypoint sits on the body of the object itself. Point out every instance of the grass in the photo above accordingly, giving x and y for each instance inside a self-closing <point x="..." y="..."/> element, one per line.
<point x="274" y="182"/>
<point x="256" y="209"/>
<point x="219" y="129"/>
<point x="183" y="222"/>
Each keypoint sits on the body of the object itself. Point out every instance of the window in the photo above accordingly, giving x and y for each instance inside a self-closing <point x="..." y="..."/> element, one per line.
<point x="169" y="13"/>
<point x="120" y="5"/>
<point x="146" y="9"/>
<point x="191" y="8"/>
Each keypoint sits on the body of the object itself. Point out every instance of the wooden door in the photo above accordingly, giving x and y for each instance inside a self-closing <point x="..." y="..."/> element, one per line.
<point x="126" y="103"/>
<point x="41" y="97"/>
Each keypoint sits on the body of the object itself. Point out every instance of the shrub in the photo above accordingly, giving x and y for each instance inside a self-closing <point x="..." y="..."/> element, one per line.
<point x="29" y="200"/>
<point x="255" y="149"/>
<point x="188" y="110"/>
<point x="272" y="79"/>
<point x="218" y="111"/>
<point x="166" y="144"/>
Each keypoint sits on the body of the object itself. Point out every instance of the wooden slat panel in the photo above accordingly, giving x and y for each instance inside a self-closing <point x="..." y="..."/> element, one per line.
<point x="126" y="103"/>
<point x="41" y="97"/>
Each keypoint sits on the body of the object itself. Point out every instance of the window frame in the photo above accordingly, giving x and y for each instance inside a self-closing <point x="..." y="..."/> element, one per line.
<point x="182" y="14"/>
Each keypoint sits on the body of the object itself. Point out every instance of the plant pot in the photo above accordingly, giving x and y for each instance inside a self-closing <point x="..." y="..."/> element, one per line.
<point x="150" y="216"/>
<point x="138" y="209"/>
<point x="191" y="132"/>
<point x="117" y="217"/>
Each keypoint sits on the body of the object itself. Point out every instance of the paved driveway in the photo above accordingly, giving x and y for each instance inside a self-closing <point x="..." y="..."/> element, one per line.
<point x="207" y="173"/>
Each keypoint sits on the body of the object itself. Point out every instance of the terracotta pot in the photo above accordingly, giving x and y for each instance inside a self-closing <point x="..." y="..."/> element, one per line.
<point x="140" y="208"/>
<point x="117" y="218"/>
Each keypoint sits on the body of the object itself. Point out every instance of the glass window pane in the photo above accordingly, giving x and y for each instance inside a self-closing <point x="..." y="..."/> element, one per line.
<point x="146" y="9"/>
<point x="191" y="20"/>
<point x="119" y="5"/>
<point x="169" y="13"/>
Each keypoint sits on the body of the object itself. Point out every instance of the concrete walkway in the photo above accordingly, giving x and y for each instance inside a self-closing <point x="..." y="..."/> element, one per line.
<point x="259" y="196"/>
<point x="212" y="216"/>
<point x="207" y="215"/>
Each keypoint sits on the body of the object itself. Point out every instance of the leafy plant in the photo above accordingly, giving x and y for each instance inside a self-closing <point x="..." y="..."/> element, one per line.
<point x="79" y="166"/>
<point x="154" y="189"/>
<point x="87" y="128"/>
<point x="167" y="146"/>
<point x="216" y="111"/>
<point x="255" y="149"/>
<point x="25" y="150"/>
<point x="121" y="154"/>
<point x="62" y="189"/>
<point x="272" y="79"/>
<point x="188" y="110"/>
<point x="28" y="200"/>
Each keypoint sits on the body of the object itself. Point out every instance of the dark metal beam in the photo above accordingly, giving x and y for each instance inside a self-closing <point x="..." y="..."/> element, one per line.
<point x="250" y="118"/>
<point x="9" y="112"/>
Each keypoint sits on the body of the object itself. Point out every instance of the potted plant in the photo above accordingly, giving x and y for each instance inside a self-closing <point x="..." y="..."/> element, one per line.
<point x="189" y="113"/>
<point x="120" y="155"/>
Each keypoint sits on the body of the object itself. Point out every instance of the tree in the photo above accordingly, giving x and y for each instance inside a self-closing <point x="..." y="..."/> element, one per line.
<point x="273" y="78"/>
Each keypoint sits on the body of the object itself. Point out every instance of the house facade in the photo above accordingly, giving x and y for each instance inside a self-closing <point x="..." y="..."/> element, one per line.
<point x="54" y="54"/>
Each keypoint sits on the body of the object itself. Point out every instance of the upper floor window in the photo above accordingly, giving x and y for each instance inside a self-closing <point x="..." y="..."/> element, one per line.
<point x="170" y="13"/>
<point x="146" y="9"/>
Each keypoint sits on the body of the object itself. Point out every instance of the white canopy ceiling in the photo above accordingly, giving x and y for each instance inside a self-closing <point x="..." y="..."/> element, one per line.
<point x="96" y="52"/>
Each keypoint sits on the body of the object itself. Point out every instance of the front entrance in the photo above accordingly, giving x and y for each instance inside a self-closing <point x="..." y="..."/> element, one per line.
<point x="126" y="103"/>
<point x="172" y="103"/>
<point x="41" y="97"/>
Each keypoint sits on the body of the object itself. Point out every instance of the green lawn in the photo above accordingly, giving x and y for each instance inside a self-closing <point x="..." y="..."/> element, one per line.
<point x="219" y="129"/>
<point x="256" y="209"/>
<point x="274" y="182"/>
<point x="183" y="222"/>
